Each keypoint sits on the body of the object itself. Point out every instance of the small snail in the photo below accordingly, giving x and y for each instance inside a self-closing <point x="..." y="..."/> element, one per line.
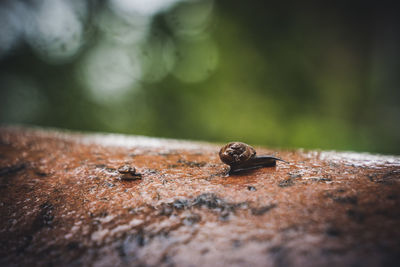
<point x="240" y="156"/>
<point x="128" y="173"/>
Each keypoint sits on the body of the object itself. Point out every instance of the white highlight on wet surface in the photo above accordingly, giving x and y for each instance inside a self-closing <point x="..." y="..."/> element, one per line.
<point x="140" y="141"/>
<point x="360" y="159"/>
<point x="107" y="219"/>
<point x="135" y="222"/>
<point x="99" y="235"/>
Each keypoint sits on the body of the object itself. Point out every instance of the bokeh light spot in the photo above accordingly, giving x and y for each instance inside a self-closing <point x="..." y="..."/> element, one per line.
<point x="11" y="26"/>
<point x="147" y="8"/>
<point x="196" y="60"/>
<point x="191" y="18"/>
<point x="110" y="72"/>
<point x="157" y="58"/>
<point x="54" y="31"/>
<point x="123" y="29"/>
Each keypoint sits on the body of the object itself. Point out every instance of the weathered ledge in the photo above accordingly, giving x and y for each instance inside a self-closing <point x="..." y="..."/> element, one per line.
<point x="62" y="203"/>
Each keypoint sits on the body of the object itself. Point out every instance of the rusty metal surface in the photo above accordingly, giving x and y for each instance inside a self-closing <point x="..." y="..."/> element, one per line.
<point x="62" y="203"/>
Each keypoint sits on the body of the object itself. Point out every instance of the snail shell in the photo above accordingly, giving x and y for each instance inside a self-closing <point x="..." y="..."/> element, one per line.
<point x="236" y="153"/>
<point x="126" y="169"/>
<point x="128" y="173"/>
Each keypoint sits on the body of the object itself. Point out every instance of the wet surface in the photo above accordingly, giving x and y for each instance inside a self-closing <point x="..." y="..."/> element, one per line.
<point x="63" y="203"/>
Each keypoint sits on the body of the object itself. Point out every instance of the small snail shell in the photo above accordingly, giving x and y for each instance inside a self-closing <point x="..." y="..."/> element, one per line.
<point x="128" y="173"/>
<point x="240" y="156"/>
<point x="236" y="153"/>
<point x="126" y="169"/>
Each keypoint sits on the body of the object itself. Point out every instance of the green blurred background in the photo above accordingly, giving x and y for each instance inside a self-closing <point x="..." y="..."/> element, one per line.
<point x="314" y="75"/>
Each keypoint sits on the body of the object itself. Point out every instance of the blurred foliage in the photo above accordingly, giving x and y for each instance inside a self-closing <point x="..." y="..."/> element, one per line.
<point x="294" y="74"/>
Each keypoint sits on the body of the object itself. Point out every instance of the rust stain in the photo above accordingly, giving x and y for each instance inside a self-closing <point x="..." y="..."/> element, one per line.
<point x="62" y="203"/>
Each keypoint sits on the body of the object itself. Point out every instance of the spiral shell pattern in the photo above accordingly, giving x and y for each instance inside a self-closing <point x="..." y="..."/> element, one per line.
<point x="236" y="153"/>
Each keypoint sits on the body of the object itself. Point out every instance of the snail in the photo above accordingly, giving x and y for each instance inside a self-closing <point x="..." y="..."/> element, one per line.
<point x="240" y="156"/>
<point x="128" y="173"/>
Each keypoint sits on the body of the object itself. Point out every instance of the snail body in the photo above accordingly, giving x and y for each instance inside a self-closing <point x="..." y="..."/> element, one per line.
<point x="240" y="156"/>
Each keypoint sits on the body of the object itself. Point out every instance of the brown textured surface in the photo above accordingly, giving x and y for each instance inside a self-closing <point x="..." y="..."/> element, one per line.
<point x="62" y="204"/>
